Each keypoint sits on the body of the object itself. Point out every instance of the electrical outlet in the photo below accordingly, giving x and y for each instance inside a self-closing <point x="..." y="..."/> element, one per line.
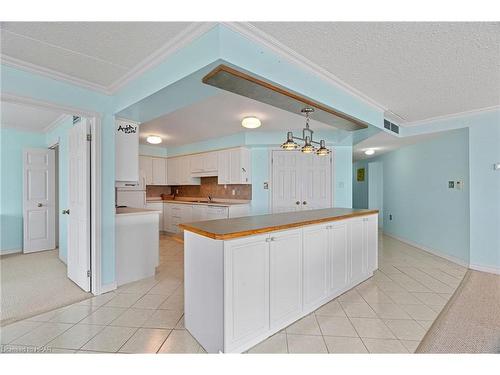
<point x="459" y="185"/>
<point x="451" y="184"/>
<point x="233" y="192"/>
<point x="266" y="185"/>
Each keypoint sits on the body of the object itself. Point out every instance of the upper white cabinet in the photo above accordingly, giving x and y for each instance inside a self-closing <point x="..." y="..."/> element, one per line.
<point x="204" y="165"/>
<point x="179" y="171"/>
<point x="159" y="171"/>
<point x="153" y="170"/>
<point x="146" y="169"/>
<point x="126" y="151"/>
<point x="234" y="166"/>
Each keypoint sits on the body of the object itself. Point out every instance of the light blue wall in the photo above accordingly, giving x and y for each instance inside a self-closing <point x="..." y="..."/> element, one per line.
<point x="13" y="142"/>
<point x="342" y="178"/>
<point x="60" y="135"/>
<point x="359" y="188"/>
<point x="425" y="211"/>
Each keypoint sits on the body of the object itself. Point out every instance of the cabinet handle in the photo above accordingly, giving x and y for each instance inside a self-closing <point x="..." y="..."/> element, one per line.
<point x="297" y="203"/>
<point x="268" y="239"/>
<point x="304" y="203"/>
<point x="273" y="238"/>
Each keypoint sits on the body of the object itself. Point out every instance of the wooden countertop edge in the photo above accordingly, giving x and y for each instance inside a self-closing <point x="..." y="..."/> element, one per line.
<point x="250" y="232"/>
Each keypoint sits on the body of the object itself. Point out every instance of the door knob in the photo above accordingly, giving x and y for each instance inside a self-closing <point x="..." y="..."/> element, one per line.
<point x="39" y="205"/>
<point x="65" y="212"/>
<point x="304" y="203"/>
<point x="297" y="203"/>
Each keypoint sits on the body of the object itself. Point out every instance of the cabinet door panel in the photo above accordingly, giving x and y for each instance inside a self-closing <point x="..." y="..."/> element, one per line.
<point x="146" y="168"/>
<point x="339" y="250"/>
<point x="358" y="259"/>
<point x="210" y="161"/>
<point x="246" y="294"/>
<point x="315" y="258"/>
<point x="371" y="233"/>
<point x="197" y="163"/>
<point x="285" y="268"/>
<point x="159" y="171"/>
<point x="235" y="166"/>
<point x="223" y="167"/>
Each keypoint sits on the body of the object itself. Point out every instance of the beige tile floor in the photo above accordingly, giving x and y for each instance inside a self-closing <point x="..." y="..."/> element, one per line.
<point x="389" y="313"/>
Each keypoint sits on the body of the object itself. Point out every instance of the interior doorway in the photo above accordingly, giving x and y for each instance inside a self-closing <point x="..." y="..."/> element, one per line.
<point x="376" y="189"/>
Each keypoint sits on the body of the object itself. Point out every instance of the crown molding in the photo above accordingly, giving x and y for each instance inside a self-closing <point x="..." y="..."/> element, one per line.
<point x="450" y="116"/>
<point x="194" y="31"/>
<point x="50" y="73"/>
<point x="250" y="31"/>
<point x="54" y="124"/>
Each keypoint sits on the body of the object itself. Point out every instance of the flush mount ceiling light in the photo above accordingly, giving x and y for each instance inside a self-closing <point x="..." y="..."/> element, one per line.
<point x="250" y="122"/>
<point x="369" y="151"/>
<point x="153" y="139"/>
<point x="307" y="138"/>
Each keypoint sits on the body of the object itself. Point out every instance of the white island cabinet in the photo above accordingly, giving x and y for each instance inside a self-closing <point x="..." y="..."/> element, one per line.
<point x="247" y="278"/>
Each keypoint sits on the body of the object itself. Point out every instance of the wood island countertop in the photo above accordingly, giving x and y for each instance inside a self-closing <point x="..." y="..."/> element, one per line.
<point x="225" y="229"/>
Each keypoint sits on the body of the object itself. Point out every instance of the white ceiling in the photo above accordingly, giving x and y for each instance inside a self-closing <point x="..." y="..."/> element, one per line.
<point x="385" y="142"/>
<point x="100" y="53"/>
<point x="26" y="118"/>
<point x="416" y="70"/>
<point x="219" y="116"/>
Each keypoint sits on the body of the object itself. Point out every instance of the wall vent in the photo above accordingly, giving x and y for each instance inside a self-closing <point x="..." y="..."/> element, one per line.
<point x="391" y="126"/>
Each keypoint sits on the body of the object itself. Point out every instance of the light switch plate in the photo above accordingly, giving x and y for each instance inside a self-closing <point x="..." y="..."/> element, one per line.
<point x="451" y="184"/>
<point x="496" y="166"/>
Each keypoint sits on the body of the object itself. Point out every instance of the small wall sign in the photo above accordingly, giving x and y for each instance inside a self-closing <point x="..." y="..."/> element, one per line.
<point x="360" y="175"/>
<point x="127" y="129"/>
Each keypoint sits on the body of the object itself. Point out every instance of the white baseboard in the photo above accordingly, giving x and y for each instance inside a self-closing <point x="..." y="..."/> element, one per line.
<point x="108" y="287"/>
<point x="10" y="251"/>
<point x="489" y="269"/>
<point x="452" y="259"/>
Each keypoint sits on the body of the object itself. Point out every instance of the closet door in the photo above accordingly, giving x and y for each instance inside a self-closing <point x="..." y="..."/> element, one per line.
<point x="286" y="181"/>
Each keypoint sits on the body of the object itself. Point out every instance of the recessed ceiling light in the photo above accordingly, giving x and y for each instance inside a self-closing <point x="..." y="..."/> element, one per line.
<point x="370" y="152"/>
<point x="153" y="139"/>
<point x="250" y="122"/>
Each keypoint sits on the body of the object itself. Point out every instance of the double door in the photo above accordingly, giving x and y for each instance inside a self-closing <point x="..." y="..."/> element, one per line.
<point x="300" y="181"/>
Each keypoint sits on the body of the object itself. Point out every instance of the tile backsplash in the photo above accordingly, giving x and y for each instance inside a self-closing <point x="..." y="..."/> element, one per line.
<point x="207" y="187"/>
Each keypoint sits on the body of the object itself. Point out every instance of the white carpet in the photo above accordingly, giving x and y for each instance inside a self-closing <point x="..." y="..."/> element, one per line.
<point x="34" y="283"/>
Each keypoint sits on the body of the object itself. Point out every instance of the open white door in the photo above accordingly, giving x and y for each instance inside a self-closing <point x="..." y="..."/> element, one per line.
<point x="38" y="200"/>
<point x="79" y="205"/>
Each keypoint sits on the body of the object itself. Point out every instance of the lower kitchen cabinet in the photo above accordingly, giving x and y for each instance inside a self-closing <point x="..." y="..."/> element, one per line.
<point x="285" y="274"/>
<point x="339" y="256"/>
<point x="316" y="248"/>
<point x="246" y="292"/>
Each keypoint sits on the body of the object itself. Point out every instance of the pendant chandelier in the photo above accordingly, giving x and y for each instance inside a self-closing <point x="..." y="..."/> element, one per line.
<point x="307" y="138"/>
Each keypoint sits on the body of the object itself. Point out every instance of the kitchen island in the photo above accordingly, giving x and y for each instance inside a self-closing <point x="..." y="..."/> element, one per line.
<point x="247" y="278"/>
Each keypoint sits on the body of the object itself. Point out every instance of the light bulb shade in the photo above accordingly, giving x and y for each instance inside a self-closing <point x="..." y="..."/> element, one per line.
<point x="289" y="144"/>
<point x="322" y="150"/>
<point x="369" y="151"/>
<point x="250" y="122"/>
<point x="153" y="139"/>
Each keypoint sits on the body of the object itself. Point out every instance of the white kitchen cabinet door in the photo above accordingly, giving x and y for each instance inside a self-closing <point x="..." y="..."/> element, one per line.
<point x="338" y="256"/>
<point x="358" y="254"/>
<point x="157" y="206"/>
<point x="239" y="166"/>
<point x="159" y="171"/>
<point x="209" y="161"/>
<point x="223" y="167"/>
<point x="371" y="242"/>
<point x="199" y="212"/>
<point x="285" y="277"/>
<point x="246" y="290"/>
<point x="315" y="266"/>
<point x="173" y="171"/>
<point x="146" y="168"/>
<point x="196" y="163"/>
<point x="167" y="218"/>
<point x="186" y="213"/>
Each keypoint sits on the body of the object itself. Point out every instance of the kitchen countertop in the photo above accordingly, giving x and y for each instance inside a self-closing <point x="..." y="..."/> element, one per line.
<point x="224" y="229"/>
<point x="194" y="202"/>
<point x="124" y="211"/>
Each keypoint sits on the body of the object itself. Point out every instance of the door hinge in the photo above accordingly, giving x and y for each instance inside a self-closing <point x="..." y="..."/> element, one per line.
<point x="89" y="137"/>
<point x="88" y="273"/>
